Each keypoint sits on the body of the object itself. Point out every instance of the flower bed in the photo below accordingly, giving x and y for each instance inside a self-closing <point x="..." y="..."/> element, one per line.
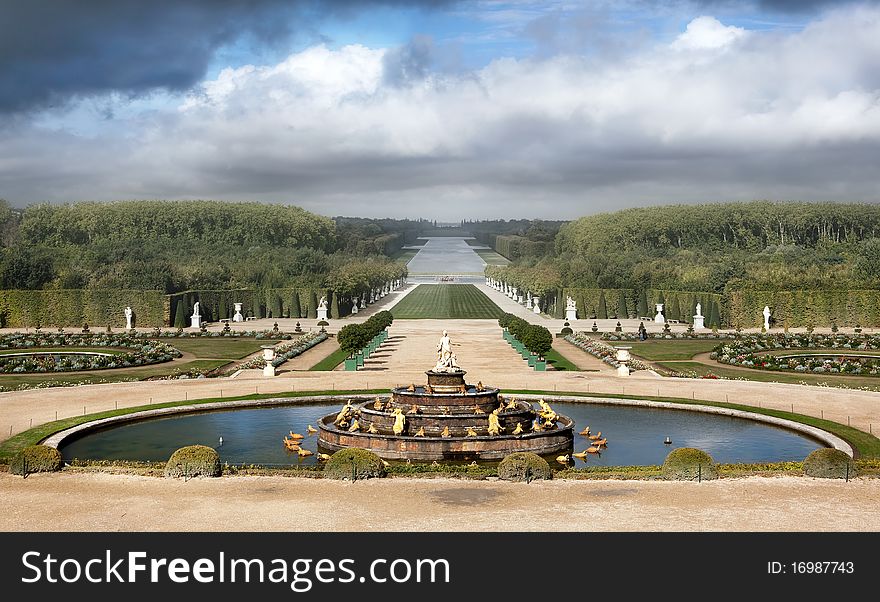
<point x="634" y="336"/>
<point x="134" y="352"/>
<point x="287" y="350"/>
<point x="601" y="350"/>
<point x="753" y="352"/>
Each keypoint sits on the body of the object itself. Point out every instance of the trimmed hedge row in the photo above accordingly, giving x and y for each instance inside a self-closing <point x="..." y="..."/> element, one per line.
<point x="805" y="308"/>
<point x="75" y="307"/>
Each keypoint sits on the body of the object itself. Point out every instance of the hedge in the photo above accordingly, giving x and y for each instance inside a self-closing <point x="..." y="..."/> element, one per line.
<point x="193" y="461"/>
<point x="689" y="464"/>
<point x="804" y="308"/>
<point x="36" y="458"/>
<point x="353" y="464"/>
<point x="524" y="466"/>
<point x="75" y="307"/>
<point x="829" y="463"/>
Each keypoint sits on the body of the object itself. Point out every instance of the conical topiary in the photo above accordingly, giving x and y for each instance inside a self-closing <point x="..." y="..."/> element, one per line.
<point x="602" y="313"/>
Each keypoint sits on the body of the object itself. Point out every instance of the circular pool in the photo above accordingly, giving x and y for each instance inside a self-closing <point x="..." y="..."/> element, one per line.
<point x="253" y="435"/>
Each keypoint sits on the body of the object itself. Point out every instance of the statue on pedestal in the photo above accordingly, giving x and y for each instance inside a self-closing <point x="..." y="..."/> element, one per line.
<point x="128" y="316"/>
<point x="196" y="317"/>
<point x="445" y="357"/>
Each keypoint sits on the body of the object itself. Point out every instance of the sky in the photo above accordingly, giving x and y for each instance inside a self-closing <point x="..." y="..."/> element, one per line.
<point x="447" y="110"/>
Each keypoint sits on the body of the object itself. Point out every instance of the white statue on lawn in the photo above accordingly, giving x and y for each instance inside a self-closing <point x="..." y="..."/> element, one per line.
<point x="128" y="315"/>
<point x="196" y="317"/>
<point x="766" y="313"/>
<point x="445" y="357"/>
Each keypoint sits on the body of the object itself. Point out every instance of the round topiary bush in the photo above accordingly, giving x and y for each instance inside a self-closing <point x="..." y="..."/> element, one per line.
<point x="689" y="464"/>
<point x="193" y="461"/>
<point x="524" y="466"/>
<point x="36" y="458"/>
<point x="353" y="464"/>
<point x="829" y="463"/>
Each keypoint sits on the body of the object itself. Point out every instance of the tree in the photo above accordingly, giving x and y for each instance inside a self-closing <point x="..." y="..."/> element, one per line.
<point x="295" y="311"/>
<point x="674" y="312"/>
<point x="180" y="314"/>
<point x="312" y="308"/>
<point x="714" y="316"/>
<point x="621" y="305"/>
<point x="643" y="304"/>
<point x="602" y="314"/>
<point x="334" y="307"/>
<point x="537" y="340"/>
<point x="352" y="338"/>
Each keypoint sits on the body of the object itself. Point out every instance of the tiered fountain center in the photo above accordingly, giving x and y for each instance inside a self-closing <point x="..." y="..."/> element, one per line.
<point x="446" y="419"/>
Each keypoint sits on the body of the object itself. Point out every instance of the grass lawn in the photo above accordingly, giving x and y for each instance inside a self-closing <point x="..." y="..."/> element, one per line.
<point x="439" y="301"/>
<point x="404" y="255"/>
<point x="331" y="361"/>
<point x="111" y="375"/>
<point x="558" y="361"/>
<point x="219" y="347"/>
<point x="491" y="257"/>
<point x="767" y="376"/>
<point x="657" y="350"/>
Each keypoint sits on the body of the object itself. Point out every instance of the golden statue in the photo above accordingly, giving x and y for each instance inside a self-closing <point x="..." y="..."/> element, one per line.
<point x="343" y="413"/>
<point x="511" y="405"/>
<point x="471" y="432"/>
<point x="480" y="387"/>
<point x="445" y="432"/>
<point x="519" y="429"/>
<point x="478" y="410"/>
<point x="547" y="413"/>
<point x="420" y="432"/>
<point x="429" y="389"/>
<point x="414" y="409"/>
<point x="372" y="429"/>
<point x="411" y="388"/>
<point x="378" y="405"/>
<point x="399" y="421"/>
<point x="494" y="425"/>
<point x="355" y="426"/>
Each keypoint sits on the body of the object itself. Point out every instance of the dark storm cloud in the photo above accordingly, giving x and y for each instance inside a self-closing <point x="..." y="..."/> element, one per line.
<point x="53" y="50"/>
<point x="786" y="6"/>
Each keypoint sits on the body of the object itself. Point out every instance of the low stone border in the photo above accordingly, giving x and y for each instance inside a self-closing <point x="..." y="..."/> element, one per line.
<point x="825" y="437"/>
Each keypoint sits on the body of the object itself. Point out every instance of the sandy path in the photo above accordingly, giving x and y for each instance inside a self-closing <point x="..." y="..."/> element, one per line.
<point x="105" y="502"/>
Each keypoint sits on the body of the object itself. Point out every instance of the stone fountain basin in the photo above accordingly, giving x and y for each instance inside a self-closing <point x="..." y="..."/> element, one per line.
<point x="456" y="420"/>
<point x="427" y="449"/>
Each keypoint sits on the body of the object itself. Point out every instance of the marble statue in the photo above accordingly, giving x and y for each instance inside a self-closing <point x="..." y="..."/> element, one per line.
<point x="237" y="317"/>
<point x="699" y="319"/>
<point x="128" y="315"/>
<point x="570" y="309"/>
<point x="766" y="313"/>
<point x="537" y="308"/>
<point x="322" y="308"/>
<point x="196" y="317"/>
<point x="446" y="361"/>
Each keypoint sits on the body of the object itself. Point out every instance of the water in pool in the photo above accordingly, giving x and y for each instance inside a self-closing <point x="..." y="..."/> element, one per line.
<point x="635" y="435"/>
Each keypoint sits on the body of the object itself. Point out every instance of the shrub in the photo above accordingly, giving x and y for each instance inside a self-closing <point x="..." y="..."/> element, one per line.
<point x="352" y="338"/>
<point x="353" y="464"/>
<point x="504" y="320"/>
<point x="829" y="463"/>
<point x="689" y="464"/>
<point x="537" y="339"/>
<point x="36" y="458"/>
<point x="193" y="461"/>
<point x="524" y="466"/>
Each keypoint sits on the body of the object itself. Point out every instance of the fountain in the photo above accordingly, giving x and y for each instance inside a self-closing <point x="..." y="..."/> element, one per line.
<point x="446" y="419"/>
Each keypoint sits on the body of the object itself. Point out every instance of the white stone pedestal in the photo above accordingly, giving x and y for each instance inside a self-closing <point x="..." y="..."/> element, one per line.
<point x="659" y="319"/>
<point x="698" y="323"/>
<point x="623" y="357"/>
<point x="570" y="314"/>
<point x="237" y="317"/>
<point x="354" y="307"/>
<point x="322" y="313"/>
<point x="196" y="321"/>
<point x="268" y="355"/>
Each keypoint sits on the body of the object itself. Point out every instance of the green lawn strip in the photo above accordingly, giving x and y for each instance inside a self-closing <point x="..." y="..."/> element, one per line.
<point x="559" y="361"/>
<point x="63" y="349"/>
<point x="865" y="444"/>
<point x="33" y="436"/>
<point x="659" y="349"/>
<point x="218" y="347"/>
<point x="871" y="383"/>
<point x="491" y="257"/>
<point x="331" y="361"/>
<point x="109" y="375"/>
<point x="446" y="301"/>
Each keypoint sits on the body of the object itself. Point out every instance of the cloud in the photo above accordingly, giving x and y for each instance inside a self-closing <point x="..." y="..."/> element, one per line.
<point x="791" y="115"/>
<point x="707" y="32"/>
<point x="409" y="63"/>
<point x="53" y="51"/>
